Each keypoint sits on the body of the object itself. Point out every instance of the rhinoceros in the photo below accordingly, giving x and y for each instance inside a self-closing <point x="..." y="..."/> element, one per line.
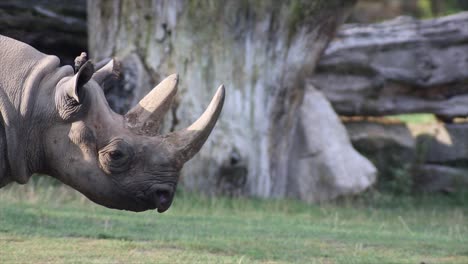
<point x="58" y="122"/>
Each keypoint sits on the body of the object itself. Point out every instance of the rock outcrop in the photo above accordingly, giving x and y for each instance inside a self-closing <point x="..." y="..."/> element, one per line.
<point x="440" y="178"/>
<point x="390" y="146"/>
<point x="398" y="66"/>
<point x="51" y="26"/>
<point x="324" y="164"/>
<point x="445" y="144"/>
<point x="403" y="66"/>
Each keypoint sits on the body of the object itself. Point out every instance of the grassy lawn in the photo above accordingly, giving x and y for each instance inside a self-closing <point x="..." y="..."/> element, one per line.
<point x="414" y="118"/>
<point x="55" y="225"/>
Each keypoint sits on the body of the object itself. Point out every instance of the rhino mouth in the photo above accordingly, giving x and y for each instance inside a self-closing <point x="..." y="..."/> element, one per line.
<point x="163" y="199"/>
<point x="155" y="198"/>
<point x="160" y="200"/>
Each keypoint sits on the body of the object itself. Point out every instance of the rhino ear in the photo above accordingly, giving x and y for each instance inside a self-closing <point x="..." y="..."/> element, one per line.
<point x="79" y="80"/>
<point x="109" y="70"/>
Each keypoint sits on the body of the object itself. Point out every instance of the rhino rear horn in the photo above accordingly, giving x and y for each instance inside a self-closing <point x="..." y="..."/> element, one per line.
<point x="109" y="70"/>
<point x="188" y="142"/>
<point x="147" y="115"/>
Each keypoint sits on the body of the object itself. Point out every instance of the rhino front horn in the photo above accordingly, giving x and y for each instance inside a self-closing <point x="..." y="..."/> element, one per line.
<point x="187" y="142"/>
<point x="146" y="117"/>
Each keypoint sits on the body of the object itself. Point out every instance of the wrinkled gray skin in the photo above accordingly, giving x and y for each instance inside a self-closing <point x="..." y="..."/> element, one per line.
<point x="58" y="123"/>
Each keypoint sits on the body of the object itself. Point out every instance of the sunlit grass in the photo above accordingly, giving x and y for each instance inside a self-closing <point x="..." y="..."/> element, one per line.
<point x="55" y="224"/>
<point x="414" y="118"/>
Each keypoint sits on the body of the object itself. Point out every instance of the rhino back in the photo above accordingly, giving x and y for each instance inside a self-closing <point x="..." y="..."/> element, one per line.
<point x="17" y="60"/>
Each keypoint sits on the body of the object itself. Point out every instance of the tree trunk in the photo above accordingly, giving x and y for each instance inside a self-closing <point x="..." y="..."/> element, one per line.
<point x="261" y="50"/>
<point x="399" y="66"/>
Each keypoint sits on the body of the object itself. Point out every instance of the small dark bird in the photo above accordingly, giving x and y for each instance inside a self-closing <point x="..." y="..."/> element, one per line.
<point x="80" y="60"/>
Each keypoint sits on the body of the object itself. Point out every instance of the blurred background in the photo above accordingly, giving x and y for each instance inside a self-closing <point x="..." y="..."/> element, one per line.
<point x="331" y="107"/>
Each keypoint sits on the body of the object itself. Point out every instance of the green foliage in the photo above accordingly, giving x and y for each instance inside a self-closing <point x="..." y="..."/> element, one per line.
<point x="425" y="6"/>
<point x="374" y="228"/>
<point x="299" y="11"/>
<point x="447" y="7"/>
<point x="399" y="181"/>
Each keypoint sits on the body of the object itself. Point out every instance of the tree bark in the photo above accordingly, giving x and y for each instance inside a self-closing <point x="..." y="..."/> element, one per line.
<point x="261" y="50"/>
<point x="399" y="66"/>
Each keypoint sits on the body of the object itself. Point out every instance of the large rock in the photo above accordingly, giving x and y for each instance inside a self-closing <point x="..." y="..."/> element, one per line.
<point x="324" y="164"/>
<point x="390" y="146"/>
<point x="52" y="26"/>
<point x="442" y="157"/>
<point x="439" y="178"/>
<point x="399" y="66"/>
<point x="263" y="51"/>
<point x="443" y="144"/>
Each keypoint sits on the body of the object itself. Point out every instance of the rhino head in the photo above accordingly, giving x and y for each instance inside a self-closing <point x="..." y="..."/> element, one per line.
<point x="121" y="161"/>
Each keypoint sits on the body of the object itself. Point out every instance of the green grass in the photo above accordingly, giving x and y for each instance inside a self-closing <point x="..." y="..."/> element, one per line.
<point x="414" y="118"/>
<point x="44" y="223"/>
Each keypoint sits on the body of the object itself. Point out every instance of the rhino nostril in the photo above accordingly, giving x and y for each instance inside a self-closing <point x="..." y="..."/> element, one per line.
<point x="164" y="197"/>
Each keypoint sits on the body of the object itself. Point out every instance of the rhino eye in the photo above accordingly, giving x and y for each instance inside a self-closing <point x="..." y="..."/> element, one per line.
<point x="116" y="157"/>
<point x="116" y="154"/>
